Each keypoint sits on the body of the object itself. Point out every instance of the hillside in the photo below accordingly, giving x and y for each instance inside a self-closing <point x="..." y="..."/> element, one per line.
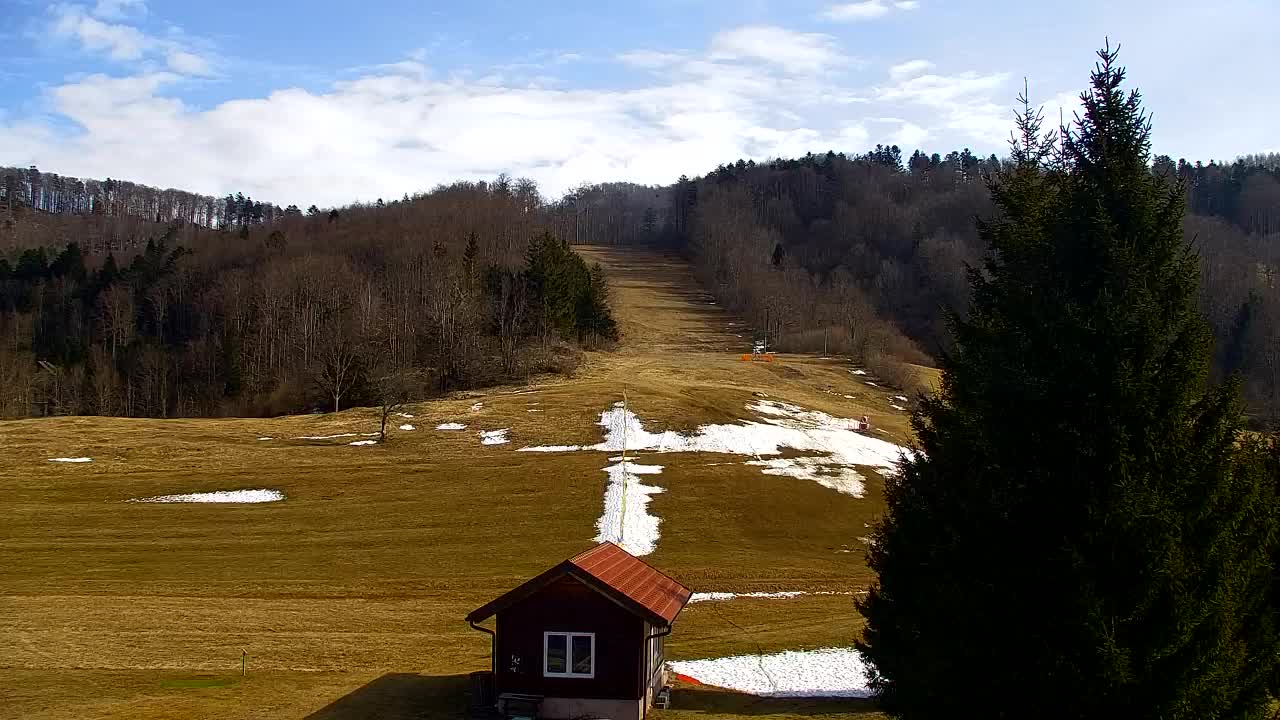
<point x="348" y="596"/>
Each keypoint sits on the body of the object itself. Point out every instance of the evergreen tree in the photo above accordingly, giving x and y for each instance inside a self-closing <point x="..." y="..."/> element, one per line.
<point x="1081" y="534"/>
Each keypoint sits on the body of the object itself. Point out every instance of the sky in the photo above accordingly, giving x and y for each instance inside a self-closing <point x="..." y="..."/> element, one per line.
<point x="331" y="102"/>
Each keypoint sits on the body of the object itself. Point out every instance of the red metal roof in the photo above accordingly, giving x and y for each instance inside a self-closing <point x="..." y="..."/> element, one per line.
<point x="634" y="578"/>
<point x="610" y="570"/>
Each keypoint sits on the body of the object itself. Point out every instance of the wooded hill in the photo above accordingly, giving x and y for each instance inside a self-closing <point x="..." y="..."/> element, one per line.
<point x="863" y="255"/>
<point x="460" y="287"/>
<point x="867" y="254"/>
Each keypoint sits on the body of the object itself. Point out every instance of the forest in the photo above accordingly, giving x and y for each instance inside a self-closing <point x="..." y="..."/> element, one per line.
<point x="124" y="299"/>
<point x="867" y="255"/>
<point x="114" y="313"/>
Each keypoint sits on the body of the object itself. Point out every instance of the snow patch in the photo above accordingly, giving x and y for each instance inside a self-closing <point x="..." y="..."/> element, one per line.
<point x="451" y="426"/>
<point x="476" y="407"/>
<point x="71" y="460"/>
<point x="897" y="407"/>
<point x="901" y="398"/>
<point x="829" y="672"/>
<point x="220" y="496"/>
<point x="494" y="437"/>
<point x="408" y="427"/>
<point x="785" y="426"/>
<point x="868" y="382"/>
<point x="722" y="596"/>
<point x="858" y="372"/>
<point x="403" y="415"/>
<point x="364" y="442"/>
<point x="626" y="520"/>
<point x="263" y="438"/>
<point x="825" y="471"/>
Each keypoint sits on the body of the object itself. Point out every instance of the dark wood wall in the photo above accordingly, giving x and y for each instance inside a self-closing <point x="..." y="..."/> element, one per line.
<point x="567" y="605"/>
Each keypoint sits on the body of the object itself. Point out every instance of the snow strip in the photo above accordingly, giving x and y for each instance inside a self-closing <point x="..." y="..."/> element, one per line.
<point x="829" y="672"/>
<point x="403" y="415"/>
<point x="868" y="382"/>
<point x="626" y="520"/>
<point x="902" y="398"/>
<point x="451" y="426"/>
<point x="71" y="460"/>
<point x="263" y="438"/>
<point x="220" y="496"/>
<point x="408" y="427"/>
<point x="858" y="372"/>
<point x="476" y="407"/>
<point x="897" y="407"/>
<point x="781" y="595"/>
<point x="494" y="437"/>
<point x="785" y="426"/>
<point x="364" y="442"/>
<point x="720" y="596"/>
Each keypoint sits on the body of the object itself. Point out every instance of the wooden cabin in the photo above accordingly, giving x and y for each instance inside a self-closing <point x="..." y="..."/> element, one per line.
<point x="583" y="639"/>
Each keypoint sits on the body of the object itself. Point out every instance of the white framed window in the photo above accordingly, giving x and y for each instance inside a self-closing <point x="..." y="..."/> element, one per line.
<point x="568" y="654"/>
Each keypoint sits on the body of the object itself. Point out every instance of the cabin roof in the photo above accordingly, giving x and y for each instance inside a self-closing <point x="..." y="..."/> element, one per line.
<point x="612" y="571"/>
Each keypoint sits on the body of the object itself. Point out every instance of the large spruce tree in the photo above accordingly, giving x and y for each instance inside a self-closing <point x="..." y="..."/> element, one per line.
<point x="1083" y="533"/>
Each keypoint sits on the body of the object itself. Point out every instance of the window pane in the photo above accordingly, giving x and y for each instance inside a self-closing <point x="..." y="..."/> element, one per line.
<point x="556" y="661"/>
<point x="582" y="654"/>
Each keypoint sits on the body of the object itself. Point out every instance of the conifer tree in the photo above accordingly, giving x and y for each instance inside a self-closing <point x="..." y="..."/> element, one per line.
<point x="1082" y="533"/>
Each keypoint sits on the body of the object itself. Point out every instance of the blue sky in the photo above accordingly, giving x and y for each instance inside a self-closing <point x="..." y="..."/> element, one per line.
<point x="328" y="102"/>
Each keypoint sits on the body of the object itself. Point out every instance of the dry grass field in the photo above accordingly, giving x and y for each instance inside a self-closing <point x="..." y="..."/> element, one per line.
<point x="348" y="597"/>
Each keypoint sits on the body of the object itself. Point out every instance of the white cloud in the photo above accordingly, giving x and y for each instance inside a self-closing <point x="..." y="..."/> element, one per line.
<point x="117" y="9"/>
<point x="909" y="136"/>
<point x="187" y="63"/>
<point x="119" y="42"/>
<point x="866" y="10"/>
<point x="755" y="92"/>
<point x="964" y="103"/>
<point x="650" y="59"/>
<point x="909" y="69"/>
<point x="792" y="51"/>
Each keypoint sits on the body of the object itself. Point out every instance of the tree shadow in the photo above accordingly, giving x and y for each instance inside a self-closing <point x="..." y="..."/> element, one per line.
<point x="401" y="696"/>
<point x="724" y="702"/>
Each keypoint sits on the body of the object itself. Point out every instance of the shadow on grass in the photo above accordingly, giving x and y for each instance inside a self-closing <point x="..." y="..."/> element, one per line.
<point x="400" y="696"/>
<point x="722" y="702"/>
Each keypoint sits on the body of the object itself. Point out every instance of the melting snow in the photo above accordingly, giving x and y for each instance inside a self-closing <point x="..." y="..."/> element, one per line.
<point x="626" y="520"/>
<point x="903" y="398"/>
<point x="403" y="415"/>
<point x="408" y="427"/>
<point x="364" y="442"/>
<point x="494" y="437"/>
<point x="785" y="426"/>
<point x="720" y="596"/>
<point x="782" y="595"/>
<point x="830" y="672"/>
<point x="826" y="471"/>
<point x="71" y="460"/>
<point x="220" y="496"/>
<point x="896" y="407"/>
<point x="451" y="426"/>
<point x="476" y="407"/>
<point x="858" y="372"/>
<point x="868" y="382"/>
<point x="264" y="438"/>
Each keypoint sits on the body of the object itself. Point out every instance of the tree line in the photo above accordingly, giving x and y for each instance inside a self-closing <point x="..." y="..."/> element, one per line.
<point x="866" y="254"/>
<point x="456" y="288"/>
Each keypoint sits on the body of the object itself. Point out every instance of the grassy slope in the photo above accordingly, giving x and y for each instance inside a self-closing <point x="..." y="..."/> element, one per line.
<point x="349" y="597"/>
